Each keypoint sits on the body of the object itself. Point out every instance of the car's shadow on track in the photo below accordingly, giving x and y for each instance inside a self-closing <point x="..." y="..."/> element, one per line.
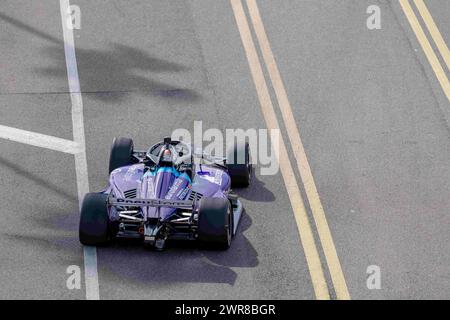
<point x="179" y="262"/>
<point x="258" y="192"/>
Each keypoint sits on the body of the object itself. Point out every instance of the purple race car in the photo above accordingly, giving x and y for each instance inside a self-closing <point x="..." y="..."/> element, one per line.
<point x="167" y="192"/>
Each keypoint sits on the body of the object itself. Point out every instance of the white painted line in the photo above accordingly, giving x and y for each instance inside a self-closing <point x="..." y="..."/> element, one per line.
<point x="90" y="253"/>
<point x="90" y="273"/>
<point x="40" y="140"/>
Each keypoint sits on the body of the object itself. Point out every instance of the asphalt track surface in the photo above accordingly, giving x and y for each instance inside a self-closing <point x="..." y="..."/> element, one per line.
<point x="372" y="115"/>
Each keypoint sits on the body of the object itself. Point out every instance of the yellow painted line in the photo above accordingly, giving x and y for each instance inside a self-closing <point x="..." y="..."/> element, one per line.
<point x="434" y="31"/>
<point x="334" y="266"/>
<point x="301" y="218"/>
<point x="426" y="46"/>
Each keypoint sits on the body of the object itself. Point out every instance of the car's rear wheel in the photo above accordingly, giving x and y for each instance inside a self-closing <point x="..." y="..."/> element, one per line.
<point x="215" y="223"/>
<point x="121" y="153"/>
<point x="239" y="166"/>
<point x="94" y="220"/>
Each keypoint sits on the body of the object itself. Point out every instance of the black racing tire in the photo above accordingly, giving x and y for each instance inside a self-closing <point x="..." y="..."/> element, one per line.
<point x="240" y="173"/>
<point x="94" y="220"/>
<point x="215" y="223"/>
<point x="121" y="153"/>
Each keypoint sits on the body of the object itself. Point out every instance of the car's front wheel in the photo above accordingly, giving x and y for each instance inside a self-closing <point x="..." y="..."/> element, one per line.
<point x="121" y="153"/>
<point x="239" y="166"/>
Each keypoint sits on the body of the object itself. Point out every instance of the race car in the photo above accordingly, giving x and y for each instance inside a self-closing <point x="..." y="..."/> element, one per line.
<point x="169" y="192"/>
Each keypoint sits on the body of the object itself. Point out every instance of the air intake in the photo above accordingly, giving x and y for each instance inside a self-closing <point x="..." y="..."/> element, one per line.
<point x="195" y="196"/>
<point x="130" y="193"/>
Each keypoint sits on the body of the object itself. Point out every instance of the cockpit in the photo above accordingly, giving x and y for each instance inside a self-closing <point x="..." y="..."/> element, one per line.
<point x="170" y="153"/>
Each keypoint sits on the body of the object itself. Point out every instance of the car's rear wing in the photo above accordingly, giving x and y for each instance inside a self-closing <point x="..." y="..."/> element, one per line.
<point x="167" y="203"/>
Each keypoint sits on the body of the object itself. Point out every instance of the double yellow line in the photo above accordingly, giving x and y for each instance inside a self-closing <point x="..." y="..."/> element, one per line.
<point x="301" y="217"/>
<point x="425" y="44"/>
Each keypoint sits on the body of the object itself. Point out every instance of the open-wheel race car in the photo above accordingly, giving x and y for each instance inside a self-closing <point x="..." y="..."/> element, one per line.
<point x="169" y="192"/>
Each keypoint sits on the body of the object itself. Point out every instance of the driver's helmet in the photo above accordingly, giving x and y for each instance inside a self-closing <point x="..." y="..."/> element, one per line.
<point x="166" y="158"/>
